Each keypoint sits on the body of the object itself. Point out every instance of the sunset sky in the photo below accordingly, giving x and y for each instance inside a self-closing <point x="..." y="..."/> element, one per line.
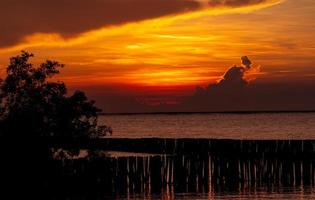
<point x="128" y="54"/>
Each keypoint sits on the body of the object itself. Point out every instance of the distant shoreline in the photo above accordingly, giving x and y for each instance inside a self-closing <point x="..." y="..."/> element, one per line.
<point x="217" y="112"/>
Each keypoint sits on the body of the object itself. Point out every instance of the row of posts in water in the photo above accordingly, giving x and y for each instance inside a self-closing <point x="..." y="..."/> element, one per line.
<point x="189" y="173"/>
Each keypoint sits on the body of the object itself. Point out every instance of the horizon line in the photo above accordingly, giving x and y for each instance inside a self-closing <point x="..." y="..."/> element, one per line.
<point x="209" y="112"/>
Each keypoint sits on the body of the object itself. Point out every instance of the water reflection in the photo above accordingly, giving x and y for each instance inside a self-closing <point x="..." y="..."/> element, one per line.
<point x="279" y="193"/>
<point x="118" y="175"/>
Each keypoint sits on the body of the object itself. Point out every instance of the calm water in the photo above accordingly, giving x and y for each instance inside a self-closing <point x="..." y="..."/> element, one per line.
<point x="231" y="126"/>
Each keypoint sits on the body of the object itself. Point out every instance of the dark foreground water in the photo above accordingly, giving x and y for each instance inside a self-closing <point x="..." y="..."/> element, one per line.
<point x="275" y="193"/>
<point x="231" y="126"/>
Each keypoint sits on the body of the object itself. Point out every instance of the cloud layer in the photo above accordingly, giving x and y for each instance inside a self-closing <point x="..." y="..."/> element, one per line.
<point x="295" y="96"/>
<point x="232" y="93"/>
<point x="232" y="82"/>
<point x="19" y="18"/>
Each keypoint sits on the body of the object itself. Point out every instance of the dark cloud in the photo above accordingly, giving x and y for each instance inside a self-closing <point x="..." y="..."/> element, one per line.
<point x="284" y="96"/>
<point x="68" y="17"/>
<point x="231" y="88"/>
<point x="19" y="18"/>
<point x="232" y="82"/>
<point x="234" y="77"/>
<point x="255" y="96"/>
<point x="246" y="62"/>
<point x="235" y="93"/>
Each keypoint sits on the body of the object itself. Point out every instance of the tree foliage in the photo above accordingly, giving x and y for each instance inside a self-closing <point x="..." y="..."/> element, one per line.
<point x="31" y="103"/>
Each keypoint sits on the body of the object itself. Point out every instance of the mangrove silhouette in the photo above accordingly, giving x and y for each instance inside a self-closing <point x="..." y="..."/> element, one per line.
<point x="33" y="107"/>
<point x="31" y="103"/>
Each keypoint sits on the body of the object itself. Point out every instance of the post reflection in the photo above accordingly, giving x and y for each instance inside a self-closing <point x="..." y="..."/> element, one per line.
<point x="207" y="175"/>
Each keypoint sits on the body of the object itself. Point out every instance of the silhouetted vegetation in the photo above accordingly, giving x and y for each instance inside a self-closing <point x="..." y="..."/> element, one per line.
<point x="31" y="103"/>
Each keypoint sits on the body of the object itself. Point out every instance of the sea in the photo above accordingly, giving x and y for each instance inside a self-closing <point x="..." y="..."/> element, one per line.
<point x="258" y="126"/>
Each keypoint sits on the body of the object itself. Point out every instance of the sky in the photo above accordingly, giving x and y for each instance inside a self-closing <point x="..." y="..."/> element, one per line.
<point x="171" y="55"/>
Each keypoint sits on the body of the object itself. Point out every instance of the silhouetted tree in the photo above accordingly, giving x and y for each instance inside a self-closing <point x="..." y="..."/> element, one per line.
<point x="30" y="103"/>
